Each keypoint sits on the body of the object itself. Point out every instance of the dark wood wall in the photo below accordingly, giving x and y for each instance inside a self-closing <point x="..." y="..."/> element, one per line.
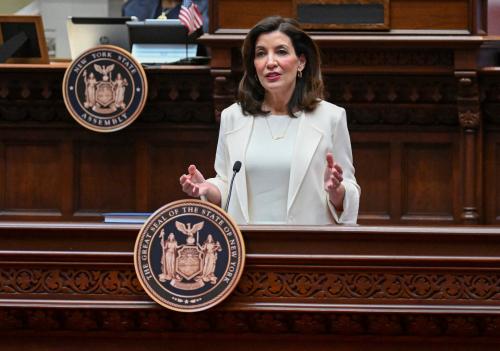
<point x="491" y="107"/>
<point x="53" y="169"/>
<point x="415" y="95"/>
<point x="410" y="143"/>
<point x="421" y="99"/>
<point x="454" y="15"/>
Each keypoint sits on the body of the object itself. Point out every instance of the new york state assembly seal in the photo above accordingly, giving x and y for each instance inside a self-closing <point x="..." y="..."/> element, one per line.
<point x="189" y="255"/>
<point x="105" y="89"/>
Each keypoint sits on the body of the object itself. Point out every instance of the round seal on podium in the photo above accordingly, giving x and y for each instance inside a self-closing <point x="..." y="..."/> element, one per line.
<point x="105" y="89"/>
<point x="189" y="255"/>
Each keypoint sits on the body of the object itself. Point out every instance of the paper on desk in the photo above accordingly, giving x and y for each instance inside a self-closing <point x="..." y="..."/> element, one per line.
<point x="162" y="53"/>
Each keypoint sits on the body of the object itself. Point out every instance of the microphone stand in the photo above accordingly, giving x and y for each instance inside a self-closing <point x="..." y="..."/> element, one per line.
<point x="230" y="191"/>
<point x="236" y="169"/>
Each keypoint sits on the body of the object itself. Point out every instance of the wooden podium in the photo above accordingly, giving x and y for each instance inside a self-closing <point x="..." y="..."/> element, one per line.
<point x="72" y="286"/>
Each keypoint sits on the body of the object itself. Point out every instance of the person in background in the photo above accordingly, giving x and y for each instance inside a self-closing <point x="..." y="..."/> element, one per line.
<point x="294" y="146"/>
<point x="171" y="8"/>
<point x="144" y="9"/>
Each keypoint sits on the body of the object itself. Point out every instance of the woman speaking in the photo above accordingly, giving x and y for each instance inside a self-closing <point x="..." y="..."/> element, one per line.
<point x="294" y="147"/>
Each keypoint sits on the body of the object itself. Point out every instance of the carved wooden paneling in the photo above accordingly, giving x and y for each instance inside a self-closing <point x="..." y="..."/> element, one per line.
<point x="267" y="323"/>
<point x="254" y="12"/>
<point x="374" y="285"/>
<point x="425" y="14"/>
<point x="170" y="158"/>
<point x="409" y="178"/>
<point x="225" y="90"/>
<point x="429" y="186"/>
<point x="81" y="173"/>
<point x="396" y="287"/>
<point x="424" y="105"/>
<point x="427" y="104"/>
<point x="373" y="173"/>
<point x="469" y="116"/>
<point x="66" y="282"/>
<point x="179" y="97"/>
<point x="416" y="102"/>
<point x="404" y="14"/>
<point x="105" y="176"/>
<point x="32" y="177"/>
<point x="356" y="265"/>
<point x="492" y="178"/>
<point x="490" y="92"/>
<point x="495" y="181"/>
<point x="432" y="60"/>
<point x="431" y="91"/>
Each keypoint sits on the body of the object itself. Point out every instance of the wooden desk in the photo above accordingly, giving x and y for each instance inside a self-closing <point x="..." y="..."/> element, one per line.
<point x="303" y="287"/>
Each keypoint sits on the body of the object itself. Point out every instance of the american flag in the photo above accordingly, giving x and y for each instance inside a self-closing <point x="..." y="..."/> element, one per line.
<point x="190" y="16"/>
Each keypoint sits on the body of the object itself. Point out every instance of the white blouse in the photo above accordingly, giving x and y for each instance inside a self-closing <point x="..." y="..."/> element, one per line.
<point x="268" y="159"/>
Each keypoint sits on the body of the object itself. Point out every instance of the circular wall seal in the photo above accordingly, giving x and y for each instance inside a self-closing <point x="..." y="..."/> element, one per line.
<point x="189" y="255"/>
<point x="105" y="89"/>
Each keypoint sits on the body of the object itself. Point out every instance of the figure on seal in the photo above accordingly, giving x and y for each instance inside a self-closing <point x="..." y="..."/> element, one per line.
<point x="119" y="86"/>
<point x="209" y="250"/>
<point x="90" y="84"/>
<point x="169" y="251"/>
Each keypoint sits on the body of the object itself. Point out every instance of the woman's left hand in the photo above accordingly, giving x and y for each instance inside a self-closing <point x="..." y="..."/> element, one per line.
<point x="333" y="182"/>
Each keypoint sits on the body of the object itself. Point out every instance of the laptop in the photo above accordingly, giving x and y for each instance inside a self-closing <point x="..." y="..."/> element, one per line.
<point x="87" y="32"/>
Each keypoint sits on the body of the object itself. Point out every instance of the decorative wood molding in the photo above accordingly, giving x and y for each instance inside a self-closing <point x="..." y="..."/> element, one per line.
<point x="468" y="100"/>
<point x="469" y="115"/>
<point x="404" y="268"/>
<point x="426" y="91"/>
<point x="390" y="58"/>
<point x="367" y="284"/>
<point x="267" y="323"/>
<point x="176" y="97"/>
<point x="225" y="88"/>
<point x="85" y="281"/>
<point x="397" y="286"/>
<point x="319" y="282"/>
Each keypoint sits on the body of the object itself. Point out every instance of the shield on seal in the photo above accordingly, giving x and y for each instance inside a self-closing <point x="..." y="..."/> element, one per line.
<point x="188" y="263"/>
<point x="104" y="93"/>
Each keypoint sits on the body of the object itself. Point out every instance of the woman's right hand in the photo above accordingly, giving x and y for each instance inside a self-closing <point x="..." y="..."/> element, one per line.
<point x="193" y="183"/>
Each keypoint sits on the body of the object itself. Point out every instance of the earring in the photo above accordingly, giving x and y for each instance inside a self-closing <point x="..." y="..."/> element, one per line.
<point x="299" y="74"/>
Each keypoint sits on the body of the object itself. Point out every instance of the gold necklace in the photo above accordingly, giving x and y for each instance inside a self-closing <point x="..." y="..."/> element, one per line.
<point x="278" y="137"/>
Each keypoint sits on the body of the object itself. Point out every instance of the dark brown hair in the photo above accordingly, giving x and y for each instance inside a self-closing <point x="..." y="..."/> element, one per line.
<point x="308" y="89"/>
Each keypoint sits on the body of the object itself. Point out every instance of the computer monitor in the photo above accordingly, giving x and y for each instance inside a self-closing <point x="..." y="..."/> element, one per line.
<point x="88" y="32"/>
<point x="159" y="31"/>
<point x="161" y="41"/>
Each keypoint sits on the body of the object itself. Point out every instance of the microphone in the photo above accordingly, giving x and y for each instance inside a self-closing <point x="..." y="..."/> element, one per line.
<point x="236" y="169"/>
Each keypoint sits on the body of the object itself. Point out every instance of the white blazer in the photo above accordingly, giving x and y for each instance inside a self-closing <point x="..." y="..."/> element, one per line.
<point x="319" y="132"/>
